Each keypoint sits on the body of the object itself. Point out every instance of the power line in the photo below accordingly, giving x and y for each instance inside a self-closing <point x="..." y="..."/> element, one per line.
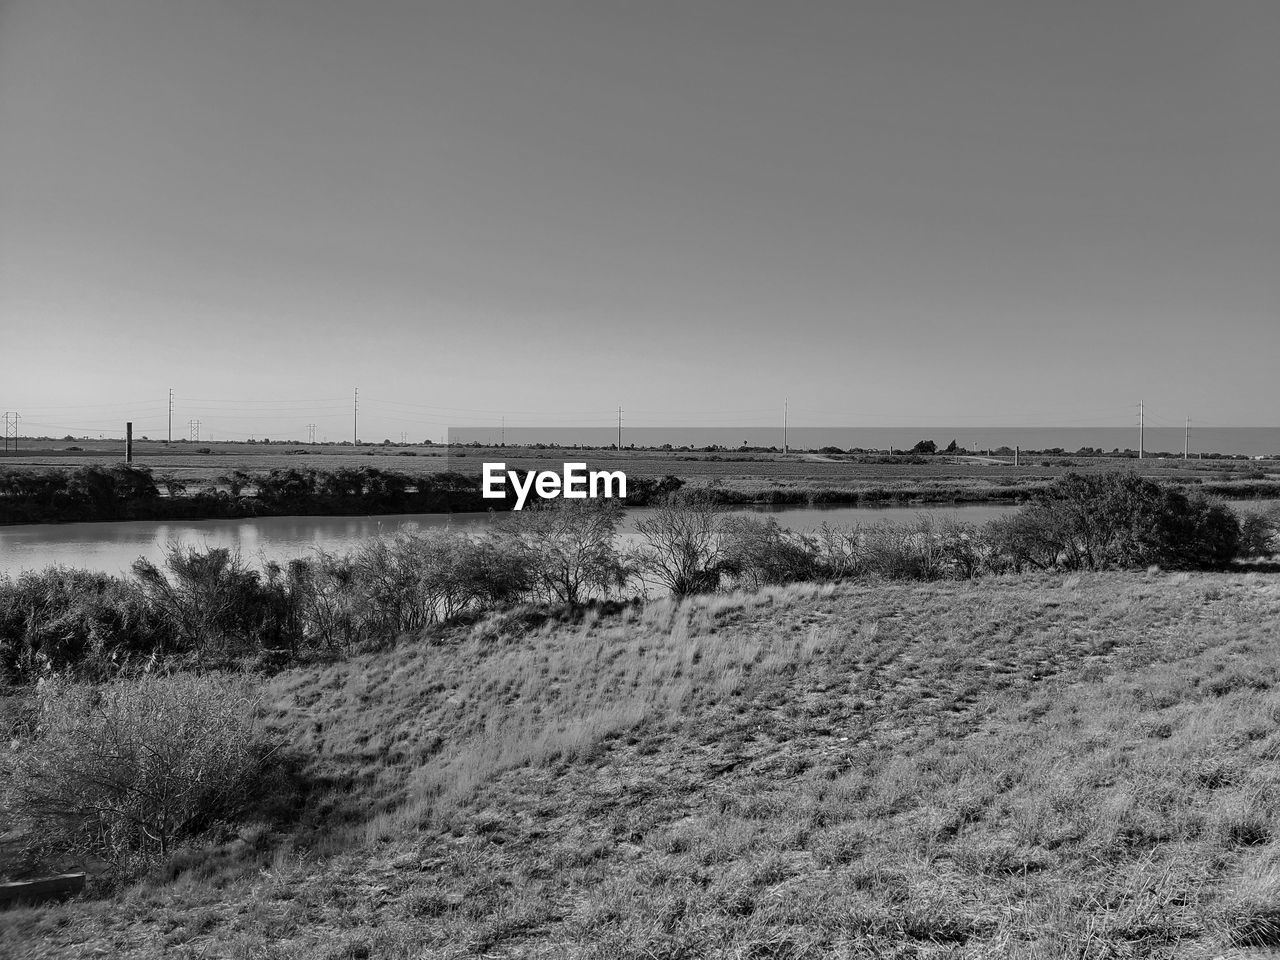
<point x="240" y="400"/>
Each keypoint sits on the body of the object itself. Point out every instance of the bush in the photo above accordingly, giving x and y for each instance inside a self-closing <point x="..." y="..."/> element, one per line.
<point x="216" y="604"/>
<point x="570" y="548"/>
<point x="1117" y="519"/>
<point x="759" y="552"/>
<point x="682" y="547"/>
<point x="130" y="768"/>
<point x="418" y="578"/>
<point x="923" y="550"/>
<point x="59" y="620"/>
<point x="1259" y="533"/>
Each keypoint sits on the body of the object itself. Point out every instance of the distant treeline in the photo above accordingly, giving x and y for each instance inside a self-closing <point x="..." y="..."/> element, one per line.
<point x="125" y="492"/>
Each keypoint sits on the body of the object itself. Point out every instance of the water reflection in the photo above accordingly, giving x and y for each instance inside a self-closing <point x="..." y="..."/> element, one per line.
<point x="112" y="547"/>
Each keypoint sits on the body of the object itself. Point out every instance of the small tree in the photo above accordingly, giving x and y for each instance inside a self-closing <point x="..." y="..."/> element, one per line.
<point x="682" y="546"/>
<point x="570" y="548"/>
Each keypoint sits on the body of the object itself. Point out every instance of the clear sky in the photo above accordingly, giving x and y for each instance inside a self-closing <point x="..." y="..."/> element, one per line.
<point x="892" y="212"/>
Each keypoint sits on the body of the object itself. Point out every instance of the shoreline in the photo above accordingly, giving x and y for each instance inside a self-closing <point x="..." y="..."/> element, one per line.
<point x="206" y="507"/>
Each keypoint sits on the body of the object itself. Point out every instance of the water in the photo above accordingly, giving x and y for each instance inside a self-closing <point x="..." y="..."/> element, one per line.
<point x="112" y="547"/>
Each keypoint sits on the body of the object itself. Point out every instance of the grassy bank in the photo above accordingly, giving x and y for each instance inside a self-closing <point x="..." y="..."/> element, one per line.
<point x="1040" y="767"/>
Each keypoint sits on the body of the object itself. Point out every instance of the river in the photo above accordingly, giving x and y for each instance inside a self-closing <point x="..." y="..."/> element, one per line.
<point x="112" y="547"/>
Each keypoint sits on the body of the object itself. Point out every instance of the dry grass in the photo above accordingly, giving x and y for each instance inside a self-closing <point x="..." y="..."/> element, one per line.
<point x="1053" y="767"/>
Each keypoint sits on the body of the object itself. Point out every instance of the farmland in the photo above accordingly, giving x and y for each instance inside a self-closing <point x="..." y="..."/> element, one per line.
<point x="1049" y="766"/>
<point x="738" y="475"/>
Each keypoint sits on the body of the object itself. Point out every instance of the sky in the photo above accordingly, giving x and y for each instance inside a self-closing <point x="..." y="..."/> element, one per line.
<point x="879" y="213"/>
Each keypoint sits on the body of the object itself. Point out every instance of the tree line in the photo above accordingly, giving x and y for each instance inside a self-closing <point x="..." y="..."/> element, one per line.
<point x="127" y="492"/>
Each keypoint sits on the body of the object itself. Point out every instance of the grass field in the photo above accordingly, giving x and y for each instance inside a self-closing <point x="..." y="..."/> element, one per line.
<point x="1034" y="767"/>
<point x="754" y="475"/>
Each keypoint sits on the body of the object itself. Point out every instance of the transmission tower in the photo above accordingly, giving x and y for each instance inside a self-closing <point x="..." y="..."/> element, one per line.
<point x="10" y="431"/>
<point x="311" y="433"/>
<point x="194" y="427"/>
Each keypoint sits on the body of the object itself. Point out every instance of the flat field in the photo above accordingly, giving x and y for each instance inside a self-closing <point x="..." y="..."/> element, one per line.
<point x="1036" y="767"/>
<point x="753" y="474"/>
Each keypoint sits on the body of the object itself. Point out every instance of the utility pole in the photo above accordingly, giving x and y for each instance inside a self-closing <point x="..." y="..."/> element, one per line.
<point x="128" y="441"/>
<point x="10" y="430"/>
<point x="619" y="429"/>
<point x="1186" y="442"/>
<point x="355" y="419"/>
<point x="786" y="409"/>
<point x="504" y="431"/>
<point x="194" y="427"/>
<point x="171" y="414"/>
<point x="1141" y="428"/>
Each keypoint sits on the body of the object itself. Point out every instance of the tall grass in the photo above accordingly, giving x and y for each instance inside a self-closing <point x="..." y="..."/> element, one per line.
<point x="1011" y="767"/>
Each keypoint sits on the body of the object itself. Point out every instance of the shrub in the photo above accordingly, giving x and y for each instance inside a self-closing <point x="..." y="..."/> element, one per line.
<point x="131" y="767"/>
<point x="417" y="578"/>
<point x="759" y="552"/>
<point x="1117" y="519"/>
<point x="923" y="550"/>
<point x="1197" y="533"/>
<point x="397" y="585"/>
<point x="839" y="551"/>
<point x="62" y="620"/>
<point x="1259" y="533"/>
<point x="463" y="574"/>
<point x="331" y="615"/>
<point x="570" y="548"/>
<point x="682" y="547"/>
<point x="213" y="600"/>
<point x="1024" y="540"/>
